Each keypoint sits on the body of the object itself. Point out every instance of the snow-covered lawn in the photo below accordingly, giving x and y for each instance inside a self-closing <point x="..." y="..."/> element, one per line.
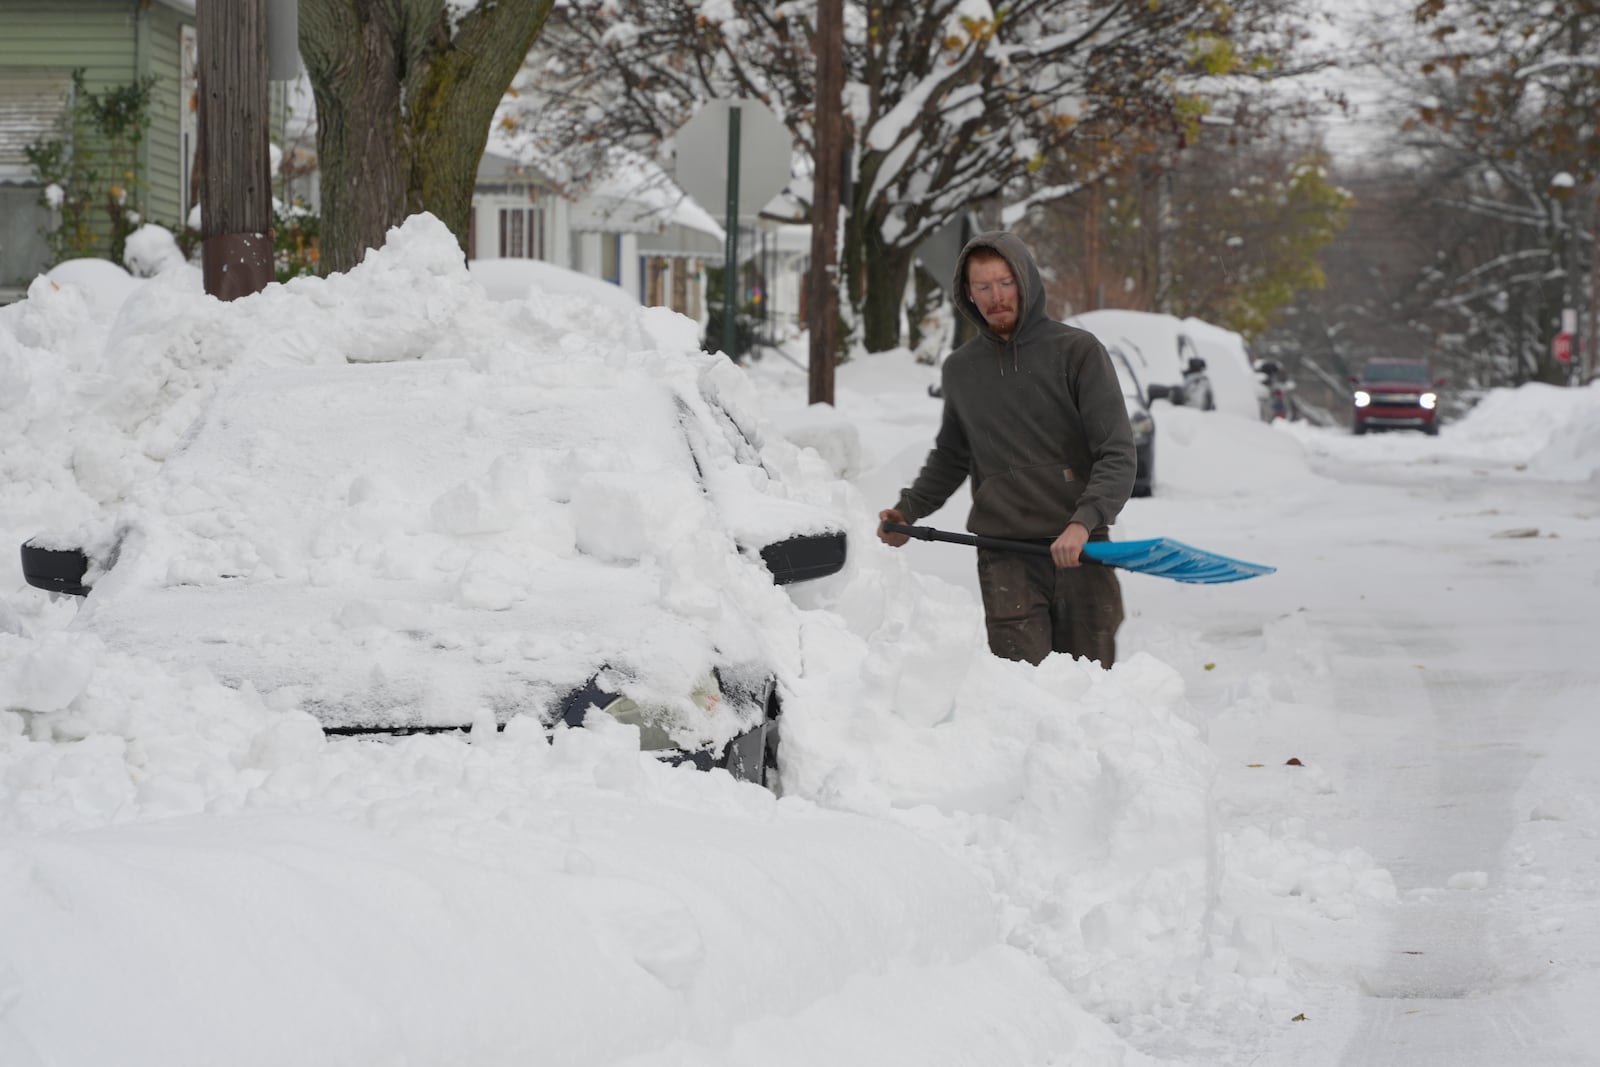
<point x="973" y="862"/>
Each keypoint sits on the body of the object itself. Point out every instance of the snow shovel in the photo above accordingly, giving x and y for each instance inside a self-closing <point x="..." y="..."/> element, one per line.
<point x="1161" y="556"/>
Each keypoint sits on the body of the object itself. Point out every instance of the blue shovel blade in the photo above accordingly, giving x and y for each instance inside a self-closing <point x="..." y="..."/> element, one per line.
<point x="1173" y="559"/>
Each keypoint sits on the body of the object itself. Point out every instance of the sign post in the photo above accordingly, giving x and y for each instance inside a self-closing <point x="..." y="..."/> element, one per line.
<point x="730" y="243"/>
<point x="735" y="152"/>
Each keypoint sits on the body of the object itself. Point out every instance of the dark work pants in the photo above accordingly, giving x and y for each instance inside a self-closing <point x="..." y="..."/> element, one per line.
<point x="1032" y="609"/>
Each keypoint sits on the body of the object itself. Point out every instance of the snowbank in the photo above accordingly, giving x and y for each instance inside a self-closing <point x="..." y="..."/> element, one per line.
<point x="212" y="880"/>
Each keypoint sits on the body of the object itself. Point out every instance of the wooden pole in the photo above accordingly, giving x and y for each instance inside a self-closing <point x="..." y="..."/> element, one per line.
<point x="822" y="311"/>
<point x="235" y="168"/>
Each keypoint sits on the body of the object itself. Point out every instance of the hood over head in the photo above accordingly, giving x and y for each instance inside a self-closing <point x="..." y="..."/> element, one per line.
<point x="1030" y="283"/>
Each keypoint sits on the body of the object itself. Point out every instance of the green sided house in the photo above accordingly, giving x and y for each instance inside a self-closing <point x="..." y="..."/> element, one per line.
<point x="118" y="45"/>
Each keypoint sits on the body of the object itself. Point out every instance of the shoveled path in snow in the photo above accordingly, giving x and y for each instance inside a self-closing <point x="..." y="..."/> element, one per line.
<point x="1443" y="727"/>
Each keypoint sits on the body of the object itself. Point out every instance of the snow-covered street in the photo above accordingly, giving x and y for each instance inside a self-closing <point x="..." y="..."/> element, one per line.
<point x="1455" y="597"/>
<point x="1343" y="814"/>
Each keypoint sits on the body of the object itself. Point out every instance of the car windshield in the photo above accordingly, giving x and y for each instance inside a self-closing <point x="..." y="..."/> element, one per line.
<point x="1396" y="372"/>
<point x="1130" y="384"/>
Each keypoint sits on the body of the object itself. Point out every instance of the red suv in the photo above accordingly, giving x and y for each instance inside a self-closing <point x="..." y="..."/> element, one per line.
<point x="1396" y="393"/>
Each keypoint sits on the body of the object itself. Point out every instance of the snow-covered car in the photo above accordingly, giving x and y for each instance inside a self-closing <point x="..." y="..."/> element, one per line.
<point x="1277" y="397"/>
<point x="1159" y="346"/>
<point x="1139" y="417"/>
<point x="427" y="546"/>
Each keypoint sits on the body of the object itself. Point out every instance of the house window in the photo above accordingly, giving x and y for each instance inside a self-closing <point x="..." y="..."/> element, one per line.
<point x="680" y="287"/>
<point x="611" y="257"/>
<point x="656" y="271"/>
<point x="521" y="233"/>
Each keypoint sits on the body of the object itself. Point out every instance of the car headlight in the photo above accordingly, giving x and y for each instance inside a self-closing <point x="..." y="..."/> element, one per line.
<point x="1429" y="400"/>
<point x="655" y="723"/>
<point x="653" y="736"/>
<point x="1363" y="398"/>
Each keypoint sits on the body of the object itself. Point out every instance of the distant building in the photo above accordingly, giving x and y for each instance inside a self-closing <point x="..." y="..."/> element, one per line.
<point x="115" y="43"/>
<point x="631" y="227"/>
<point x="518" y="212"/>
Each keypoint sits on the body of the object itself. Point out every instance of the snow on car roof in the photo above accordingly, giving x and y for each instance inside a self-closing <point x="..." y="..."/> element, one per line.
<point x="1151" y="341"/>
<point x="1149" y="338"/>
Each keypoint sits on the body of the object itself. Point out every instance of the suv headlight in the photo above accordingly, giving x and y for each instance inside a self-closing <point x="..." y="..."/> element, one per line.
<point x="1363" y="398"/>
<point x="1429" y="400"/>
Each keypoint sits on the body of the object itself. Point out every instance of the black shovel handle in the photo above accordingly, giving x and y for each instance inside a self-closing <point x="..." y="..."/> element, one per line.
<point x="928" y="533"/>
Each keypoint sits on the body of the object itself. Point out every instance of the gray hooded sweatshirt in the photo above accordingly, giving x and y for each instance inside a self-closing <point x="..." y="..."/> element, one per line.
<point x="1037" y="420"/>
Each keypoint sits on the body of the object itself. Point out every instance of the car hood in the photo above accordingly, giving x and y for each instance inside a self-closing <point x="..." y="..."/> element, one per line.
<point x="1392" y="385"/>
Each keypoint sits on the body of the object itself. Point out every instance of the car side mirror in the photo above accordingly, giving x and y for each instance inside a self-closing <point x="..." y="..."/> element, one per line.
<point x="935" y="391"/>
<point x="55" y="570"/>
<point x="1196" y="365"/>
<point x="1172" y="394"/>
<point x="805" y="557"/>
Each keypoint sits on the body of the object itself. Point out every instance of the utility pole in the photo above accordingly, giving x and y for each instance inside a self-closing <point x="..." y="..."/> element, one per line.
<point x="730" y="247"/>
<point x="235" y="168"/>
<point x="822" y="311"/>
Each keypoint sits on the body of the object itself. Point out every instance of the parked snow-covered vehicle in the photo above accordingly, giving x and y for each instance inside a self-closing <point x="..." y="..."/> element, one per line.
<point x="1186" y="361"/>
<point x="1139" y="418"/>
<point x="1166" y="359"/>
<point x="429" y="545"/>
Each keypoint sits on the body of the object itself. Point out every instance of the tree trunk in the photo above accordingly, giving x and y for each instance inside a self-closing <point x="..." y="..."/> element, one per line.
<point x="852" y="259"/>
<point x="875" y="274"/>
<point x="403" y="109"/>
<point x="452" y="100"/>
<point x="875" y="281"/>
<point x="351" y="52"/>
<point x="888" y="270"/>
